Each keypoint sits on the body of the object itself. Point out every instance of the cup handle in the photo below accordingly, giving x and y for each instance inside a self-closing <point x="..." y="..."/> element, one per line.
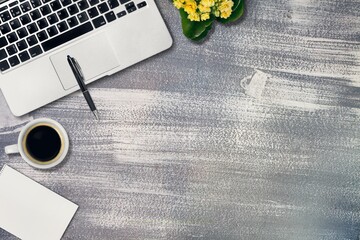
<point x="11" y="149"/>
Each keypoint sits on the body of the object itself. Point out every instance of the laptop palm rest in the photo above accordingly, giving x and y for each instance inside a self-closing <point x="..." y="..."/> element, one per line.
<point x="94" y="55"/>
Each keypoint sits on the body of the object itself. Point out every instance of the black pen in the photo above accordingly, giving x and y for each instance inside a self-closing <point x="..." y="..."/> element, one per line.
<point x="76" y="69"/>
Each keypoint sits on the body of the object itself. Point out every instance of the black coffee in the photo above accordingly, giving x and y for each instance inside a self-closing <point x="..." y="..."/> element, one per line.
<point x="43" y="143"/>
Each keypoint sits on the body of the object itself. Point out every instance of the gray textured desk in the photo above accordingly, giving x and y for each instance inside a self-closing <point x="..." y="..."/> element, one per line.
<point x="184" y="152"/>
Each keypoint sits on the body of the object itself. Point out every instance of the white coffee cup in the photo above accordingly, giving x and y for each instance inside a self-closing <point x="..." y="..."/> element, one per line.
<point x="21" y="146"/>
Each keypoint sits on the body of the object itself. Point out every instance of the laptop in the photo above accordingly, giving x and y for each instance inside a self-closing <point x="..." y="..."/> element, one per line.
<point x="104" y="36"/>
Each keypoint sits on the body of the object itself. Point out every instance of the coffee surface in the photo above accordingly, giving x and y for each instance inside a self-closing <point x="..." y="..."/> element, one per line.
<point x="43" y="143"/>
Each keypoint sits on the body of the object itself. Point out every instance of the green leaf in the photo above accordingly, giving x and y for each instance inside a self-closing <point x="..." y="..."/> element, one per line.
<point x="203" y="34"/>
<point x="192" y="29"/>
<point x="237" y="12"/>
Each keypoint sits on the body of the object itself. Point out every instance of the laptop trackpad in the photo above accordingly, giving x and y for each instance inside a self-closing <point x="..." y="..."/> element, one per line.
<point x="94" y="55"/>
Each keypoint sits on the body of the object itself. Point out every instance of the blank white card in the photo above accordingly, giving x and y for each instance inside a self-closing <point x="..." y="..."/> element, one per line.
<point x="30" y="211"/>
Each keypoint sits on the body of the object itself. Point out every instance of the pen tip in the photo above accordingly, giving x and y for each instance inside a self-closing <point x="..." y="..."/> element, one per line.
<point x="96" y="114"/>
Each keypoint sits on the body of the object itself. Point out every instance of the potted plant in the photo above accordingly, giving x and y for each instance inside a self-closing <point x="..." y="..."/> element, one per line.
<point x="198" y="16"/>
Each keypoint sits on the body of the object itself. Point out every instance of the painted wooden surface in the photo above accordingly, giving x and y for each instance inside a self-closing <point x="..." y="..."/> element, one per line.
<point x="253" y="134"/>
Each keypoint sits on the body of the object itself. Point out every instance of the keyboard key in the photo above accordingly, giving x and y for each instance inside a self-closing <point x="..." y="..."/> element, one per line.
<point x="103" y="7"/>
<point x="65" y="2"/>
<point x="32" y="28"/>
<point x="42" y="23"/>
<point x="72" y="21"/>
<point x="68" y="36"/>
<point x="3" y="8"/>
<point x="45" y="10"/>
<point x="21" y="45"/>
<point x="25" y="19"/>
<point x="32" y="40"/>
<point x="124" y="1"/>
<point x="130" y="10"/>
<point x="3" y="54"/>
<point x="113" y="3"/>
<point x="52" y="18"/>
<point x="35" y="51"/>
<point x="82" y="17"/>
<point x="93" y="12"/>
<point x="62" y="14"/>
<point x="11" y="37"/>
<point x="5" y="16"/>
<point x="141" y="5"/>
<point x="22" y="32"/>
<point x="83" y="4"/>
<point x="121" y="14"/>
<point x="93" y="2"/>
<point x="35" y="15"/>
<point x="3" y="42"/>
<point x="24" y="56"/>
<point x="15" y="11"/>
<point x="25" y="7"/>
<point x="110" y="16"/>
<point x="42" y="35"/>
<point x="13" y="3"/>
<point x="73" y="9"/>
<point x="55" y="5"/>
<point x="14" y="24"/>
<point x="5" y="28"/>
<point x="62" y="26"/>
<point x="52" y="31"/>
<point x="130" y="7"/>
<point x="4" y="65"/>
<point x="14" y="61"/>
<point x="98" y="22"/>
<point x="11" y="50"/>
<point x="35" y="3"/>
<point x="46" y="1"/>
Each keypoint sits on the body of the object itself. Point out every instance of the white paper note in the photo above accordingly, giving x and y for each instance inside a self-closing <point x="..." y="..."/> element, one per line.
<point x="30" y="211"/>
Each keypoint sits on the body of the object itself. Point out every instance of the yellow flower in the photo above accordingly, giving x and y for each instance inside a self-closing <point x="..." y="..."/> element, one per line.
<point x="190" y="6"/>
<point x="200" y="10"/>
<point x="207" y="3"/>
<point x="205" y="16"/>
<point x="178" y="4"/>
<point x="223" y="8"/>
<point x="204" y="9"/>
<point x="225" y="14"/>
<point x="194" y="17"/>
<point x="226" y="5"/>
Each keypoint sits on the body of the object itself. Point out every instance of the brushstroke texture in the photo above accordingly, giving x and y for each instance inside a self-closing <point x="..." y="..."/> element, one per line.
<point x="183" y="151"/>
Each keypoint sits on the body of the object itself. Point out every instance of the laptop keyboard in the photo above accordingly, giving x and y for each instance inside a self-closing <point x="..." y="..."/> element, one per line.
<point x="30" y="28"/>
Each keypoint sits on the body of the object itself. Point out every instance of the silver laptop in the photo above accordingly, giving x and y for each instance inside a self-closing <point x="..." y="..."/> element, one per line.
<point x="105" y="36"/>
